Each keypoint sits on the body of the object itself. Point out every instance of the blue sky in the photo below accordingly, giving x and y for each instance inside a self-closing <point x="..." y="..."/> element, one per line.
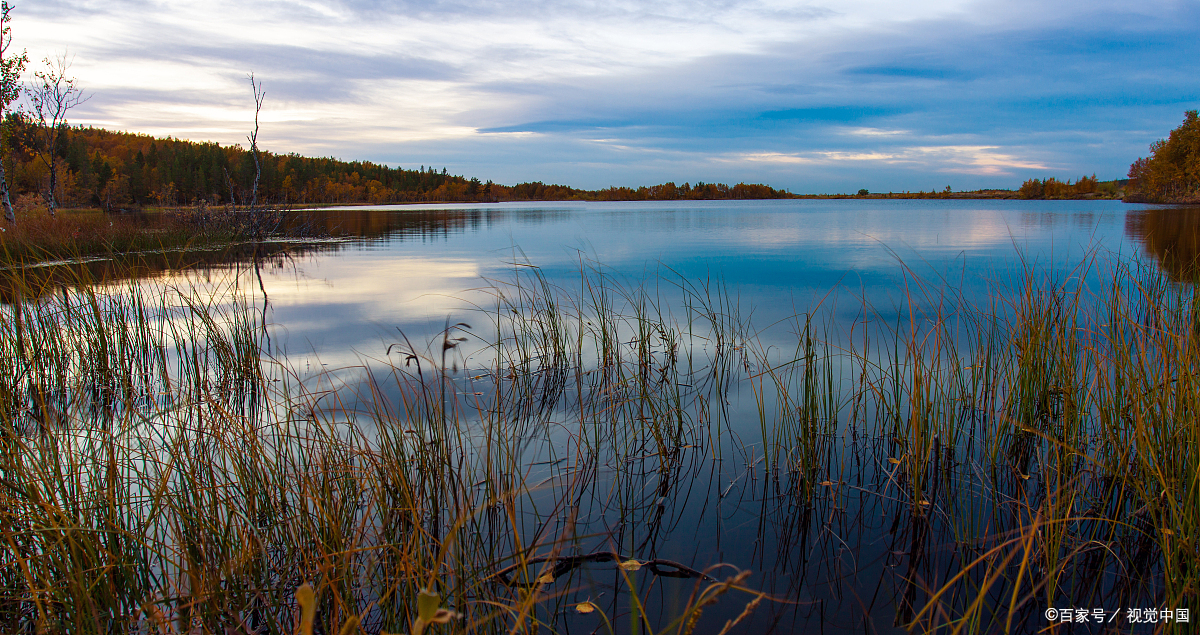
<point x="811" y="96"/>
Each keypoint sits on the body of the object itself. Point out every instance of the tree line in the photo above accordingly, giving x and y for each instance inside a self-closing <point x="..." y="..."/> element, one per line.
<point x="1171" y="174"/>
<point x="103" y="168"/>
<point x="41" y="155"/>
<point x="1052" y="188"/>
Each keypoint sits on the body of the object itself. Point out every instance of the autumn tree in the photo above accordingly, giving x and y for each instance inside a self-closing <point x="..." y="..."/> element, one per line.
<point x="1172" y="171"/>
<point x="11" y="67"/>
<point x="1032" y="188"/>
<point x="1053" y="188"/>
<point x="51" y="96"/>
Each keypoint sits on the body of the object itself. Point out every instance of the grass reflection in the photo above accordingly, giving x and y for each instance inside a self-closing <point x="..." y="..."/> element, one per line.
<point x="592" y="458"/>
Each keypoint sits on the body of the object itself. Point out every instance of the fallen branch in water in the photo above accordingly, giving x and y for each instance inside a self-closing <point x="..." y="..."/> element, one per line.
<point x="563" y="564"/>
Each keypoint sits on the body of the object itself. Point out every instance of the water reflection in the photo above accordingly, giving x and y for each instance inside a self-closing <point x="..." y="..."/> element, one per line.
<point x="662" y="419"/>
<point x="334" y="230"/>
<point x="411" y="267"/>
<point x="46" y="278"/>
<point x="1171" y="235"/>
<point x="777" y="243"/>
<point x="401" y="221"/>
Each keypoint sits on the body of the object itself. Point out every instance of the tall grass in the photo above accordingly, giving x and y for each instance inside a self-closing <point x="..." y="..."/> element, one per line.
<point x="1051" y="440"/>
<point x="38" y="237"/>
<point x="531" y="467"/>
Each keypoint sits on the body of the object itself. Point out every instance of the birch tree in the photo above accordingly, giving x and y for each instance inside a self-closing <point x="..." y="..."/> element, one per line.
<point x="11" y="67"/>
<point x="51" y="96"/>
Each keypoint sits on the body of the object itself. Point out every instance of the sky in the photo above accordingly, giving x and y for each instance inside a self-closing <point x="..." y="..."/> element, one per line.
<point x="815" y="97"/>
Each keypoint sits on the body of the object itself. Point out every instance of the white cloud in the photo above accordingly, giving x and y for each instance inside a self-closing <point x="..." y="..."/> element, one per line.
<point x="959" y="158"/>
<point x="954" y="82"/>
<point x="876" y="132"/>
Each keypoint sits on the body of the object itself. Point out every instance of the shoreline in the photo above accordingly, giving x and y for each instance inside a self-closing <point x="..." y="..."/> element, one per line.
<point x="997" y="195"/>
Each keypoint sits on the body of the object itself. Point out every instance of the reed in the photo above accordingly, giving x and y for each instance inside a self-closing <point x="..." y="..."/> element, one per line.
<point x="527" y="468"/>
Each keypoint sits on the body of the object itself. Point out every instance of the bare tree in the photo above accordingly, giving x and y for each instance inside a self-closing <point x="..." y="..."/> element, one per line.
<point x="259" y="96"/>
<point x="256" y="218"/>
<point x="11" y="67"/>
<point x="51" y="96"/>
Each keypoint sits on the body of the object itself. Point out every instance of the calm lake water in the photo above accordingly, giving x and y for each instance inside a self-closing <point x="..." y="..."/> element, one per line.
<point x="825" y="527"/>
<point x="418" y="264"/>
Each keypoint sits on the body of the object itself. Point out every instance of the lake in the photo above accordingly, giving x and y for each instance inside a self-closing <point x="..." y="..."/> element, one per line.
<point x="589" y="414"/>
<point x="780" y="257"/>
<point x="423" y="264"/>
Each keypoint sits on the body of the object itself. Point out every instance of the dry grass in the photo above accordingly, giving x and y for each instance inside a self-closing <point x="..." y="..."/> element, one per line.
<point x="160" y="469"/>
<point x="37" y="237"/>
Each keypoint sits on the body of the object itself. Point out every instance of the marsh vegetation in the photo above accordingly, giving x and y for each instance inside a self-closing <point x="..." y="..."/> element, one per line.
<point x="596" y="456"/>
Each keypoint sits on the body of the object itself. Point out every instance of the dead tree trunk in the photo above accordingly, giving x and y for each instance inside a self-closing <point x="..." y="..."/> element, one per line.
<point x="259" y="95"/>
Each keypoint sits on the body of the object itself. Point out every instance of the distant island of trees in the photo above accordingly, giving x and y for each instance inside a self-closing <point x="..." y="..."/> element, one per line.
<point x="1086" y="187"/>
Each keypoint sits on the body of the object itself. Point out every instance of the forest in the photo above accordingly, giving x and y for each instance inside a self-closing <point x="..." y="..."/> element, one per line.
<point x="1171" y="174"/>
<point x="118" y="170"/>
